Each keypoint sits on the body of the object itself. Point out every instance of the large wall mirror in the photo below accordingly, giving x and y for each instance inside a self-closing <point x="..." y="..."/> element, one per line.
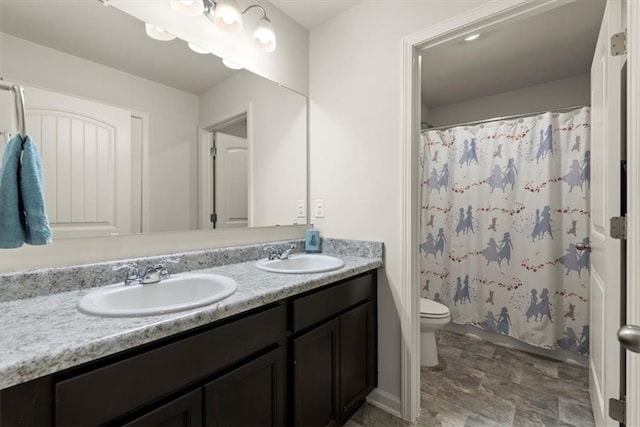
<point x="140" y="135"/>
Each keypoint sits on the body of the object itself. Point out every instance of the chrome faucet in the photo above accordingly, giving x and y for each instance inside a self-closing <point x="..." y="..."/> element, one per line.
<point x="152" y="274"/>
<point x="274" y="254"/>
<point x="156" y="272"/>
<point x="285" y="254"/>
<point x="133" y="274"/>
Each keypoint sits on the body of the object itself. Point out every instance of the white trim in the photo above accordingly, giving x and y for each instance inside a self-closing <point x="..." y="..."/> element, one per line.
<point x="409" y="318"/>
<point x="251" y="215"/>
<point x="146" y="119"/>
<point x="487" y="15"/>
<point x="205" y="180"/>
<point x="385" y="401"/>
<point x="633" y="204"/>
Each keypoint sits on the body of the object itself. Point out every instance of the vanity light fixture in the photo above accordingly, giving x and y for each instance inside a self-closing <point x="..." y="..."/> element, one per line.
<point x="471" y="37"/>
<point x="197" y="49"/>
<point x="226" y="16"/>
<point x="188" y="7"/>
<point x="158" y="33"/>
<point x="231" y="64"/>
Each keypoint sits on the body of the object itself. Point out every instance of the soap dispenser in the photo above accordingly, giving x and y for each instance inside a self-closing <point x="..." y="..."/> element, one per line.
<point x="312" y="240"/>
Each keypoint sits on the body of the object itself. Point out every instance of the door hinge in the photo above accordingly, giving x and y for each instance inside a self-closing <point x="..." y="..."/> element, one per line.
<point x="213" y="218"/>
<point x="213" y="150"/>
<point x="618" y="227"/>
<point x="619" y="44"/>
<point x="617" y="410"/>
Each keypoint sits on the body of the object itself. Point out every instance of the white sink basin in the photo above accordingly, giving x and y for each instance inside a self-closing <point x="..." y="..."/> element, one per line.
<point x="178" y="293"/>
<point x="301" y="263"/>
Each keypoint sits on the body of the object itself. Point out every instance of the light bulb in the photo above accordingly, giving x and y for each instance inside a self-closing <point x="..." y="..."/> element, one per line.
<point x="188" y="7"/>
<point x="231" y="64"/>
<point x="228" y="17"/>
<point x="264" y="37"/>
<point x="158" y="33"/>
<point x="197" y="49"/>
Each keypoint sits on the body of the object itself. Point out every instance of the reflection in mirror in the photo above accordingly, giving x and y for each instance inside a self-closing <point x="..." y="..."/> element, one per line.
<point x="140" y="135"/>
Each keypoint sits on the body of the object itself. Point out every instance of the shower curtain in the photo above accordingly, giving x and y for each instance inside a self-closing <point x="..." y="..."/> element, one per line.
<point x="503" y="205"/>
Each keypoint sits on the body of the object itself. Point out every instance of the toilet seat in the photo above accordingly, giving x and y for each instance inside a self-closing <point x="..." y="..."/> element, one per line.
<point x="430" y="309"/>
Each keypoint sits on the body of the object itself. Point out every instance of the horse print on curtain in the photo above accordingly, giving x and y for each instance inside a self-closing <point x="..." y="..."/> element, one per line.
<point x="503" y="206"/>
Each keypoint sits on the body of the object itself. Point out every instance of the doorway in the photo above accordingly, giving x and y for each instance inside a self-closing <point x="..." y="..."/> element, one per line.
<point x="224" y="178"/>
<point x="481" y="19"/>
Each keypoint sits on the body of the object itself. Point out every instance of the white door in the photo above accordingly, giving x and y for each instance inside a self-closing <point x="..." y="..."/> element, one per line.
<point x="606" y="267"/>
<point x="86" y="161"/>
<point x="231" y="191"/>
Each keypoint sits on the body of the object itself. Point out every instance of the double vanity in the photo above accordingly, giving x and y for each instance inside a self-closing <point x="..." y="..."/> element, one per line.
<point x="276" y="349"/>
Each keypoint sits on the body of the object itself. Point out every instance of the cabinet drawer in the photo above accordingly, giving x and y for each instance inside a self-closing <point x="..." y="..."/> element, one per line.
<point x="326" y="303"/>
<point x="113" y="390"/>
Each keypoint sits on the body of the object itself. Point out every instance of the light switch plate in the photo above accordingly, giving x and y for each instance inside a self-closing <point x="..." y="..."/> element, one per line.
<point x="300" y="209"/>
<point x="319" y="211"/>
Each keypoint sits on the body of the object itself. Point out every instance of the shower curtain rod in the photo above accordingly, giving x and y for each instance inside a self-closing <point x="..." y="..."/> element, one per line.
<point x="515" y="116"/>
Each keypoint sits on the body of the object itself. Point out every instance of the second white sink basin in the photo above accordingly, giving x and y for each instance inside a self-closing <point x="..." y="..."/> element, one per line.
<point x="301" y="263"/>
<point x="177" y="293"/>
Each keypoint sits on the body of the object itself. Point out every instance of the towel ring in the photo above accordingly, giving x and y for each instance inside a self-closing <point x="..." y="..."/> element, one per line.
<point x="18" y="93"/>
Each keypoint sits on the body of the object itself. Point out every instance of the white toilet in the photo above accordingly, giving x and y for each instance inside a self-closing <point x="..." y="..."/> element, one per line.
<point x="433" y="316"/>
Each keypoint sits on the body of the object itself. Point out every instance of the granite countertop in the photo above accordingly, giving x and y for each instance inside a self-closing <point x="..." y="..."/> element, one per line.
<point x="46" y="334"/>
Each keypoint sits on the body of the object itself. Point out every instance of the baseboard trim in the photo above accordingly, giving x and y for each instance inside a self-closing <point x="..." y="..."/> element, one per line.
<point x="385" y="401"/>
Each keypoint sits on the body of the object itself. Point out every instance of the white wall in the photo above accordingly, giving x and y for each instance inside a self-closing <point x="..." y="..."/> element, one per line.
<point x="355" y="147"/>
<point x="566" y="92"/>
<point x="424" y="113"/>
<point x="288" y="64"/>
<point x="277" y="133"/>
<point x="173" y="116"/>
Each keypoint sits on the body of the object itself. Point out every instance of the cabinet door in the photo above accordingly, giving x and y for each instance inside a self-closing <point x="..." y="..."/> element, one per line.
<point x="357" y="358"/>
<point x="185" y="411"/>
<point x="253" y="395"/>
<point x="315" y="377"/>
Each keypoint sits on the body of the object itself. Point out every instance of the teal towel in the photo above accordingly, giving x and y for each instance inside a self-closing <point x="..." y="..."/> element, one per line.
<point x="37" y="230"/>
<point x="12" y="227"/>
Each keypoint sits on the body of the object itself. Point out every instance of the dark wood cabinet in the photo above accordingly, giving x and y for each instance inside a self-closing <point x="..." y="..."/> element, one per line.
<point x="309" y="360"/>
<point x="315" y="373"/>
<point x="357" y="358"/>
<point x="184" y="411"/>
<point x="335" y="361"/>
<point x="253" y="395"/>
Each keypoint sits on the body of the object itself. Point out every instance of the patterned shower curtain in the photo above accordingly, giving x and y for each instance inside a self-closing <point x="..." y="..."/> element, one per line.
<point x="503" y="206"/>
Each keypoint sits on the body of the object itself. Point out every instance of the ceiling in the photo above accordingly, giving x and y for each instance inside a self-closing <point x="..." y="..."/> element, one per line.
<point x="112" y="38"/>
<point x="546" y="47"/>
<point x="542" y="48"/>
<point x="86" y="29"/>
<point x="310" y="13"/>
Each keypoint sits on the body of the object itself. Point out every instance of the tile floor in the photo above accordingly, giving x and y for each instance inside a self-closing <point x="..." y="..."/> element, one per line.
<point x="482" y="384"/>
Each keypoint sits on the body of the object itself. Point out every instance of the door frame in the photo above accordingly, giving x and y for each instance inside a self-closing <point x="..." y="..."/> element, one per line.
<point x="145" y="119"/>
<point x="206" y="166"/>
<point x="488" y="15"/>
<point x="633" y="204"/>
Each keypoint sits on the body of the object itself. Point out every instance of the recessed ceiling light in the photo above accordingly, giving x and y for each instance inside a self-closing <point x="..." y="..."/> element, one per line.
<point x="231" y="64"/>
<point x="197" y="49"/>
<point x="158" y="33"/>
<point x="471" y="37"/>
